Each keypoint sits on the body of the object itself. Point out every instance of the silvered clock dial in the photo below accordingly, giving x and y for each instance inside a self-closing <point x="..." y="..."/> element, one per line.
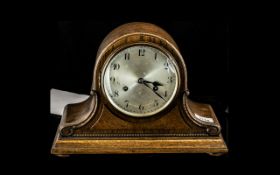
<point x="140" y="80"/>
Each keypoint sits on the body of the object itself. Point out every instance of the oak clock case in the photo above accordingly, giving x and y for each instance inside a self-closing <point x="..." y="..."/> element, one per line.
<point x="138" y="101"/>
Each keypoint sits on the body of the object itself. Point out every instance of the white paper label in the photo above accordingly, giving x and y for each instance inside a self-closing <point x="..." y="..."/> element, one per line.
<point x="59" y="99"/>
<point x="204" y="119"/>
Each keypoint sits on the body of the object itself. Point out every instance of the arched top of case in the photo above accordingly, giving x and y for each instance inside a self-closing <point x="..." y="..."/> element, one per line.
<point x="135" y="27"/>
<point x="124" y="34"/>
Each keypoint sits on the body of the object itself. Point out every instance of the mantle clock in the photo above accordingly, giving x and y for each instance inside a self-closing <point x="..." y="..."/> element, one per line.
<point x="138" y="101"/>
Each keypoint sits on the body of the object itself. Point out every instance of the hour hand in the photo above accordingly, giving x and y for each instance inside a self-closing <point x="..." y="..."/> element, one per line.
<point x="155" y="83"/>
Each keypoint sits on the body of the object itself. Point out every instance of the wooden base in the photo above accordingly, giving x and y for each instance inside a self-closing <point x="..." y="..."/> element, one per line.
<point x="212" y="146"/>
<point x="178" y="136"/>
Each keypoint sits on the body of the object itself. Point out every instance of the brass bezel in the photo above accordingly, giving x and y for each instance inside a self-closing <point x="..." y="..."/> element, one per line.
<point x="122" y="113"/>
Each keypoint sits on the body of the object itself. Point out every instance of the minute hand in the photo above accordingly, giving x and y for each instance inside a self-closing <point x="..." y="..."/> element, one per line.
<point x="154" y="91"/>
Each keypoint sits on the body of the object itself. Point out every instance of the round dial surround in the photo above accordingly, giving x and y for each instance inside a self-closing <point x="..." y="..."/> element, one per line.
<point x="140" y="80"/>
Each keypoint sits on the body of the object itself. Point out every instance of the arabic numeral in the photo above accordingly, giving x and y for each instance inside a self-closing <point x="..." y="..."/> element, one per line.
<point x="170" y="80"/>
<point x="116" y="93"/>
<point x="127" y="56"/>
<point x="156" y="103"/>
<point x="166" y="66"/>
<point x="116" y="66"/>
<point x="141" y="52"/>
<point x="127" y="102"/>
<point x="141" y="107"/>
<point x="113" y="79"/>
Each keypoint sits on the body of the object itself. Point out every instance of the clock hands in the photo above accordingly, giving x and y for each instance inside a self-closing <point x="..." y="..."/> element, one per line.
<point x="155" y="84"/>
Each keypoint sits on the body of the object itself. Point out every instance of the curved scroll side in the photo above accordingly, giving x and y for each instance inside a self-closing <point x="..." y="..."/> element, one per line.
<point x="202" y="115"/>
<point x="78" y="114"/>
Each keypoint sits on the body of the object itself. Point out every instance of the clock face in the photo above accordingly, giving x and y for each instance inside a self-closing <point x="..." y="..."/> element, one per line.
<point x="140" y="80"/>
